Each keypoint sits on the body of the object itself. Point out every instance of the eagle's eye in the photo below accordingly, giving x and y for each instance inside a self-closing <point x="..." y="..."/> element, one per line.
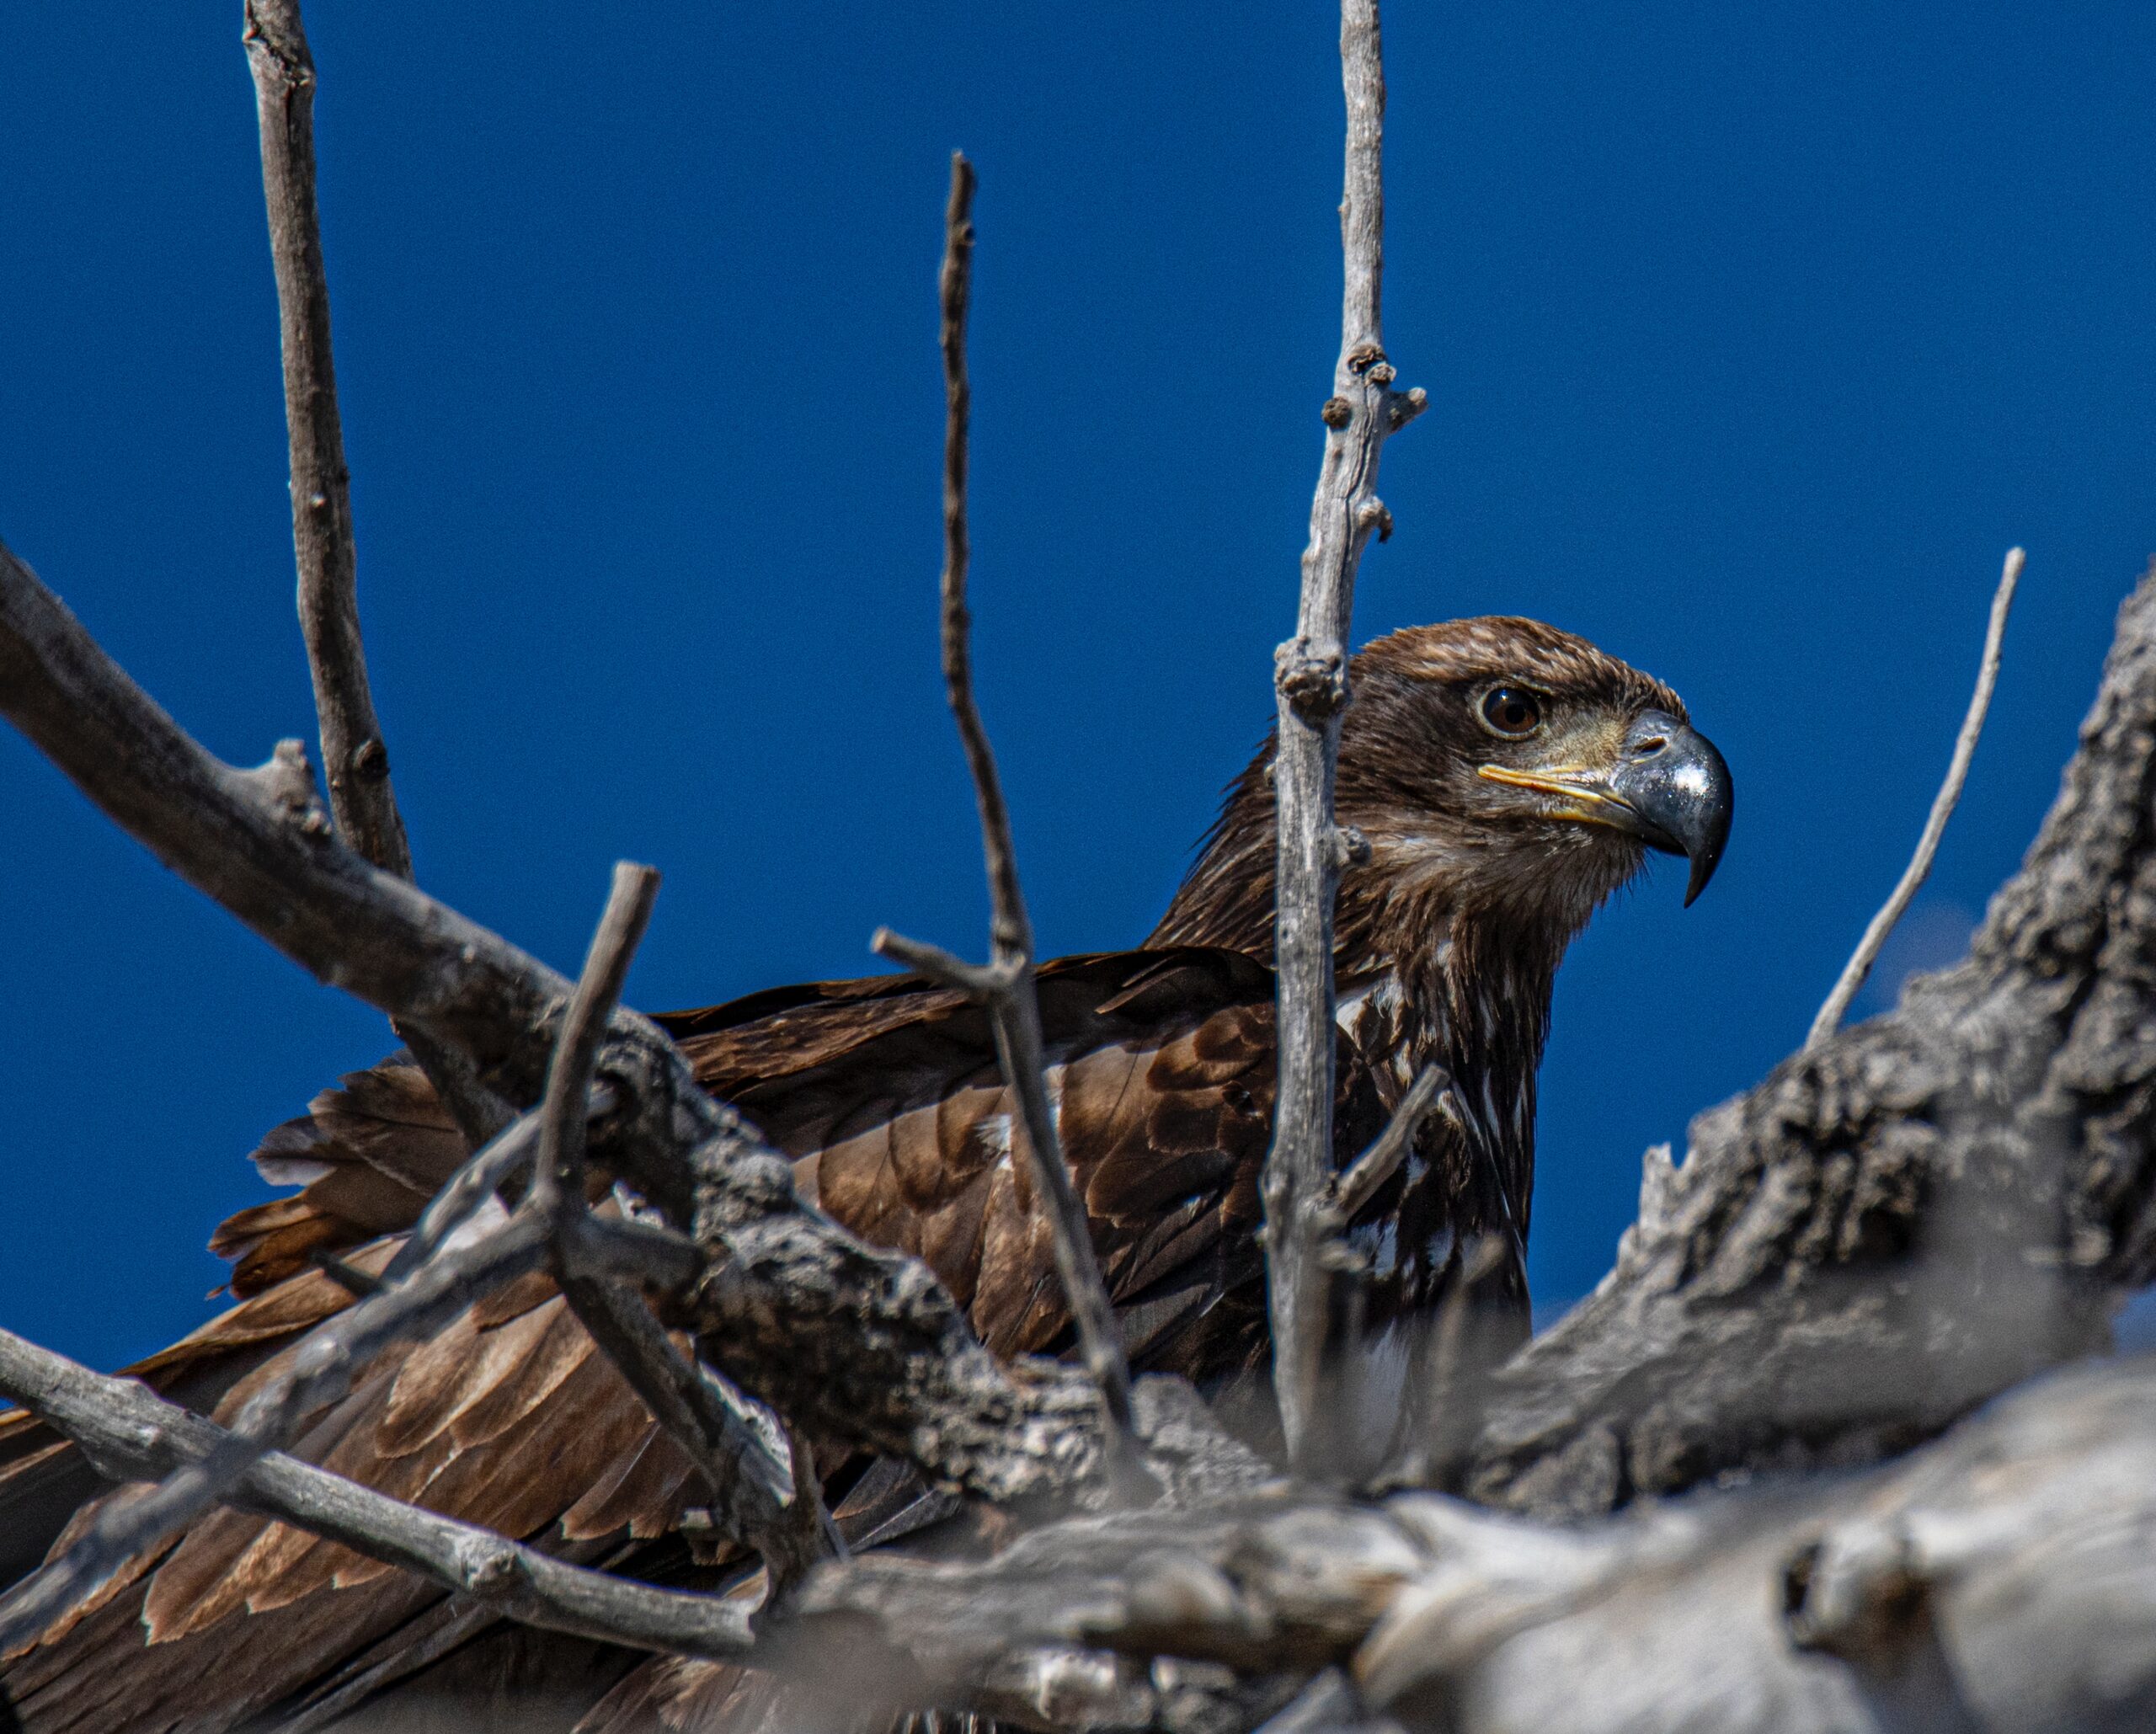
<point x="1511" y="712"/>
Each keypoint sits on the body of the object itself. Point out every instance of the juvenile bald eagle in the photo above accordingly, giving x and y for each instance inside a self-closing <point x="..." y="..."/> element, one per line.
<point x="1508" y="777"/>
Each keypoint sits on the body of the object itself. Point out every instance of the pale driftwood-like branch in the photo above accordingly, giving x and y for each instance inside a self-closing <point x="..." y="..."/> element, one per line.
<point x="355" y="761"/>
<point x="133" y="1435"/>
<point x="1998" y="1579"/>
<point x="855" y="1343"/>
<point x="559" y="1176"/>
<point x="1859" y="967"/>
<point x="1004" y="985"/>
<point x="1310" y="674"/>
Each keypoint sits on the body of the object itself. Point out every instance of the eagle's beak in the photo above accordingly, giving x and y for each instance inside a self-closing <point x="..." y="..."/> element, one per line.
<point x="1669" y="788"/>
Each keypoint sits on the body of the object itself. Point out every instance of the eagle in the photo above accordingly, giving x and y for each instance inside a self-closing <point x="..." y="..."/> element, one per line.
<point x="1506" y="777"/>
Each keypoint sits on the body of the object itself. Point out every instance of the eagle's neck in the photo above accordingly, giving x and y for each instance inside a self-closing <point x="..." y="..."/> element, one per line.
<point x="1435" y="965"/>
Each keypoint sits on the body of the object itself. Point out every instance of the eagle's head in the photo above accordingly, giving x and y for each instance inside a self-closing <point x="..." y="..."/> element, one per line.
<point x="1503" y="774"/>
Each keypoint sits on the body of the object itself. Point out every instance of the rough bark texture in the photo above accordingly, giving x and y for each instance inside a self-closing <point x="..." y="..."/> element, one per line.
<point x="1904" y="1220"/>
<point x="1999" y="1579"/>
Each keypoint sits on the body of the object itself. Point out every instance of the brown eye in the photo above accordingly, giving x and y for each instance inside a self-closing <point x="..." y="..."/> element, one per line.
<point x="1512" y="712"/>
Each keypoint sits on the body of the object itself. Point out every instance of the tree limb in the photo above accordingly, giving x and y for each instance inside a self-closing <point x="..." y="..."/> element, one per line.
<point x="1997" y="1579"/>
<point x="1004" y="986"/>
<point x="788" y="1533"/>
<point x="1311" y="679"/>
<point x="355" y="761"/>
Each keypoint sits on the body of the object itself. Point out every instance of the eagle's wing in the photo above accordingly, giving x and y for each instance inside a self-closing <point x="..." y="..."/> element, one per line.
<point x="886" y="1093"/>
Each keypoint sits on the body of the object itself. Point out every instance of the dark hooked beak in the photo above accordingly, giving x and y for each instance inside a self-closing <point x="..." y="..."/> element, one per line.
<point x="1670" y="788"/>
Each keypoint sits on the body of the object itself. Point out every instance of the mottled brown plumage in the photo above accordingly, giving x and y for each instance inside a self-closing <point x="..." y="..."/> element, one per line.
<point x="1489" y="849"/>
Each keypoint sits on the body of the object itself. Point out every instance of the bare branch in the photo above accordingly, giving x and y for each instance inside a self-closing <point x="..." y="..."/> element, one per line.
<point x="1934" y="827"/>
<point x="133" y="1435"/>
<point x="562" y="1109"/>
<point x="1310" y="674"/>
<point x="859" y="1344"/>
<point x="355" y="762"/>
<point x="1006" y="985"/>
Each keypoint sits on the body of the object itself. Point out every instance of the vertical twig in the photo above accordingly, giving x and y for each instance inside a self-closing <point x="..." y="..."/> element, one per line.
<point x="1935" y="826"/>
<point x="355" y="760"/>
<point x="1005" y="985"/>
<point x="1310" y="675"/>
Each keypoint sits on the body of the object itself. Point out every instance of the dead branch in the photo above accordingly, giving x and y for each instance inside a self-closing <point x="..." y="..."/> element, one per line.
<point x="1997" y="1579"/>
<point x="133" y="1435"/>
<point x="355" y="761"/>
<point x="1859" y="967"/>
<point x="1310" y="677"/>
<point x="1005" y="985"/>
<point x="320" y="1372"/>
<point x="1358" y="1184"/>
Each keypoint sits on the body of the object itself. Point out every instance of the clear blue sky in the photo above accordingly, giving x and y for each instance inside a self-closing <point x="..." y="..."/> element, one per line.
<point x="1754" y="335"/>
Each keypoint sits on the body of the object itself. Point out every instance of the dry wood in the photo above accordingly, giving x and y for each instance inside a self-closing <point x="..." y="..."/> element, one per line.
<point x="856" y="1344"/>
<point x="1005" y="985"/>
<point x="133" y="1435"/>
<point x="1998" y="1579"/>
<point x="1311" y="678"/>
<point x="1859" y="967"/>
<point x="355" y="758"/>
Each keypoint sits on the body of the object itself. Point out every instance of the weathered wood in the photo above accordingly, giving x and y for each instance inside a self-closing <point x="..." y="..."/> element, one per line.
<point x="1310" y="677"/>
<point x="133" y="1435"/>
<point x="856" y="1342"/>
<point x="1998" y="1579"/>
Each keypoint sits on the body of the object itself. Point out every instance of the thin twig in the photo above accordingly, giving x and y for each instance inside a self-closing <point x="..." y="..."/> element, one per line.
<point x="563" y="1110"/>
<point x="354" y="760"/>
<point x="1310" y="675"/>
<point x="133" y="1435"/>
<point x="1934" y="827"/>
<point x="1004" y="985"/>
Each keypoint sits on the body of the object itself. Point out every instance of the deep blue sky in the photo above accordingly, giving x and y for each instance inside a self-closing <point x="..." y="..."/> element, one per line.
<point x="1754" y="335"/>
